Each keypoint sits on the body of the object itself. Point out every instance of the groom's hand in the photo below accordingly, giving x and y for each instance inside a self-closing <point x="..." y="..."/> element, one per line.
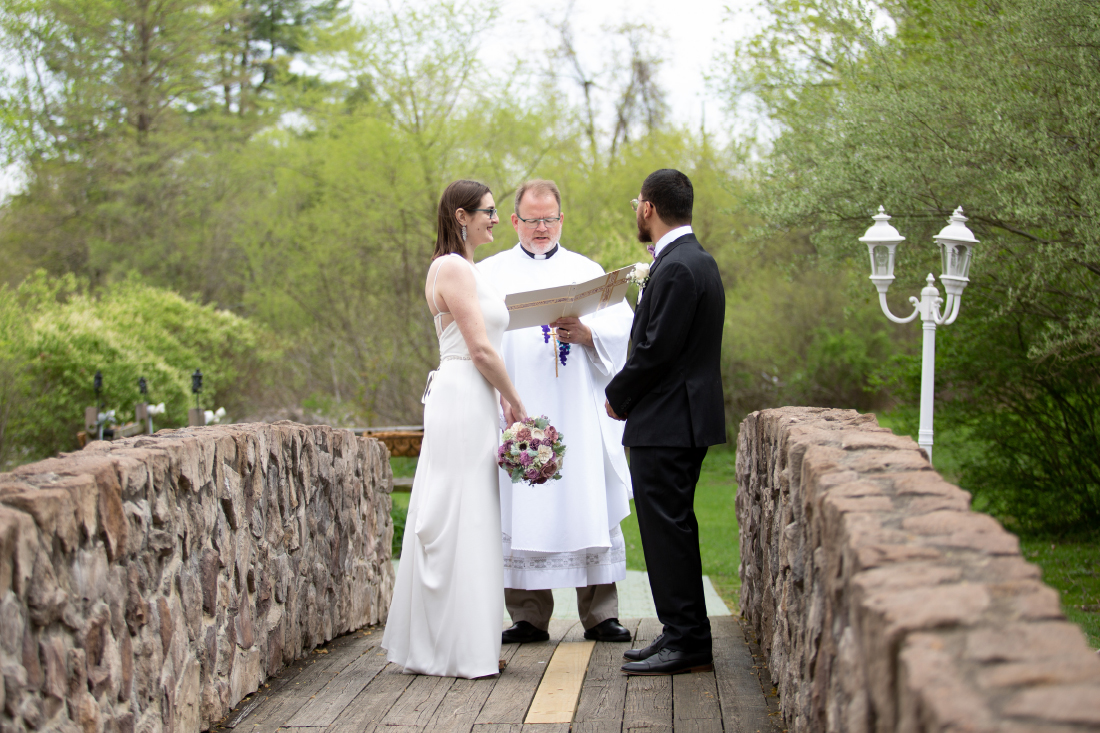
<point x="611" y="412"/>
<point x="572" y="331"/>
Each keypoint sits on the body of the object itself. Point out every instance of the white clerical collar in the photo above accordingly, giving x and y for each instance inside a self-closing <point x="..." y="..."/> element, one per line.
<point x="553" y="251"/>
<point x="670" y="237"/>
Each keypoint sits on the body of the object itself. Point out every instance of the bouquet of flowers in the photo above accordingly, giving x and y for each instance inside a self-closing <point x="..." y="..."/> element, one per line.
<point x="532" y="451"/>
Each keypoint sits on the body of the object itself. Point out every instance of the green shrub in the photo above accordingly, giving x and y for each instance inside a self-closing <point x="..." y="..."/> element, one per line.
<point x="55" y="335"/>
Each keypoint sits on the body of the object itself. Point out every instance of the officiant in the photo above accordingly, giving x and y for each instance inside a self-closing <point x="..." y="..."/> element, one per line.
<point x="563" y="534"/>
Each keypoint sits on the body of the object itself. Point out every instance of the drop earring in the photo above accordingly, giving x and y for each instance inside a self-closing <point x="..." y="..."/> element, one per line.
<point x="463" y="232"/>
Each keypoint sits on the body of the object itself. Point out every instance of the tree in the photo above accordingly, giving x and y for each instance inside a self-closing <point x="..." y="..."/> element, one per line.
<point x="989" y="105"/>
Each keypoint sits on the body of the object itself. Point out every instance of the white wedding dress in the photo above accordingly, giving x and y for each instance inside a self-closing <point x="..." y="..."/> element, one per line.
<point x="448" y="603"/>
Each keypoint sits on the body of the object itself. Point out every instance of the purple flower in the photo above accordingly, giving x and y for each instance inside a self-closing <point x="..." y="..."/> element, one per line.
<point x="532" y="474"/>
<point x="525" y="458"/>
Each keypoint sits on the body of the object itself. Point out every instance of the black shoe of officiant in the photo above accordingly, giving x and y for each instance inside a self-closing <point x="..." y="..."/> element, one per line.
<point x="671" y="661"/>
<point x="608" y="630"/>
<point x="637" y="655"/>
<point x="522" y="632"/>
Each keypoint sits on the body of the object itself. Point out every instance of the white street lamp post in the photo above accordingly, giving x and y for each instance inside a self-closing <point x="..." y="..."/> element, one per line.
<point x="956" y="244"/>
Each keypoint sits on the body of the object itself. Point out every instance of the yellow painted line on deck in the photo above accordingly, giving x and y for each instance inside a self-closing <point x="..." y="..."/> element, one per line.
<point x="556" y="699"/>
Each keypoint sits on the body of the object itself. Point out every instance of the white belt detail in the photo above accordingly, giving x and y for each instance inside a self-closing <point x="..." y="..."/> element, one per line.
<point x="431" y="374"/>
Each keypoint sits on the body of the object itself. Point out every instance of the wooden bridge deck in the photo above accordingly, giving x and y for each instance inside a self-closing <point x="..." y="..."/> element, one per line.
<point x="347" y="687"/>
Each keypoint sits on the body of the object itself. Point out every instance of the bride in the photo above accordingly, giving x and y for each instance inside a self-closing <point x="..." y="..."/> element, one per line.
<point x="448" y="603"/>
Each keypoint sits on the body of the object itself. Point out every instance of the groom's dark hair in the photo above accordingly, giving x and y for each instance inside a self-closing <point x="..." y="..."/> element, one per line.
<point x="462" y="194"/>
<point x="671" y="194"/>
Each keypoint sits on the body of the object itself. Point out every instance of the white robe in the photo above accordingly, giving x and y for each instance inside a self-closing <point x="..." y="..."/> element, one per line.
<point x="565" y="533"/>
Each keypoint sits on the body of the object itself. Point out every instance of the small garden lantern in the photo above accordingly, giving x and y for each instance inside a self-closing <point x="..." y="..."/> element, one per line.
<point x="196" y="386"/>
<point x="882" y="242"/>
<point x="956" y="243"/>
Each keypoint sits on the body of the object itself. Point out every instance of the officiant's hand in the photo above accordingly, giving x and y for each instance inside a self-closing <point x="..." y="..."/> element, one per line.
<point x="611" y="412"/>
<point x="572" y="331"/>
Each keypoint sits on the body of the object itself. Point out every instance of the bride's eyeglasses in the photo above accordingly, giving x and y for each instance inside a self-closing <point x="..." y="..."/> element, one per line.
<point x="549" y="221"/>
<point x="491" y="212"/>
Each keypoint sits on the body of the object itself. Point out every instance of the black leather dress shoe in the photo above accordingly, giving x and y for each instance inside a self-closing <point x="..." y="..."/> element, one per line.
<point x="608" y="630"/>
<point x="637" y="655"/>
<point x="671" y="661"/>
<point x="522" y="632"/>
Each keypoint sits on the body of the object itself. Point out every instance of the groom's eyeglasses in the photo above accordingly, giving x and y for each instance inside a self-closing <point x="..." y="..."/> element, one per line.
<point x="534" y="223"/>
<point x="636" y="203"/>
<point x="491" y="212"/>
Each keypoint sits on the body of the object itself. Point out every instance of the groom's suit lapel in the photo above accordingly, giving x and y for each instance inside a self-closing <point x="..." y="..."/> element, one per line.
<point x="690" y="237"/>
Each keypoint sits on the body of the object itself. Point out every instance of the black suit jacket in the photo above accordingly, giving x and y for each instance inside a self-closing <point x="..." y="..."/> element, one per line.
<point x="671" y="387"/>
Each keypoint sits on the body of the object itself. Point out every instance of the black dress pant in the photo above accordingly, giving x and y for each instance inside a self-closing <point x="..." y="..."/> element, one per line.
<point x="664" y="497"/>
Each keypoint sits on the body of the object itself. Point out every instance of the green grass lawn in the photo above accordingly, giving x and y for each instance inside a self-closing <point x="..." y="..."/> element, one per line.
<point x="1073" y="569"/>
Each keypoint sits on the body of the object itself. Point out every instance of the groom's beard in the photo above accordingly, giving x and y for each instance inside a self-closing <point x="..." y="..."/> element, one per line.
<point x="644" y="235"/>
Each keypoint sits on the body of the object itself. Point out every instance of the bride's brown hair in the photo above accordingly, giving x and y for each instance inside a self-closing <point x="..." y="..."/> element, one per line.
<point x="459" y="195"/>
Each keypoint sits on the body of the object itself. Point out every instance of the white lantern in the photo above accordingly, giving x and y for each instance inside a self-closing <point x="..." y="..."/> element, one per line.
<point x="956" y="243"/>
<point x="882" y="241"/>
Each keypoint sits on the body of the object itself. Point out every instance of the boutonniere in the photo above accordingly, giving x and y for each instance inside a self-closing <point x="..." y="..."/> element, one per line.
<point x="639" y="275"/>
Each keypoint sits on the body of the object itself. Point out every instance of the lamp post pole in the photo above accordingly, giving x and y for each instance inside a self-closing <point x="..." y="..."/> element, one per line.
<point x="956" y="243"/>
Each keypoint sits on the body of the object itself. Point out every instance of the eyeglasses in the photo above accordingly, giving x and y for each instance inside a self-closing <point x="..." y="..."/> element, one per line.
<point x="637" y="203"/>
<point x="534" y="223"/>
<point x="491" y="212"/>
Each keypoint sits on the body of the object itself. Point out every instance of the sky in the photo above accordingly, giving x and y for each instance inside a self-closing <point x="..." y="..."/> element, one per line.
<point x="696" y="30"/>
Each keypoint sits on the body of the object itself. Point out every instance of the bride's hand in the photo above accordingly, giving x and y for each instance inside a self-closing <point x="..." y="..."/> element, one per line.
<point x="519" y="413"/>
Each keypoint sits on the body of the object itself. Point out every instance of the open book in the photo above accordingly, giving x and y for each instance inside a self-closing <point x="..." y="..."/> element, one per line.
<point x="540" y="307"/>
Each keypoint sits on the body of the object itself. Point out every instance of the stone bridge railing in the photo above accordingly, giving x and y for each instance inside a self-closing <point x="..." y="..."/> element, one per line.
<point x="151" y="583"/>
<point x="882" y="602"/>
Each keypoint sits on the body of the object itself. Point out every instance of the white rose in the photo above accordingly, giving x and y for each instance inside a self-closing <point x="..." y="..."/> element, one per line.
<point x="537" y="434"/>
<point x="516" y="427"/>
<point x="545" y="453"/>
<point x="641" y="270"/>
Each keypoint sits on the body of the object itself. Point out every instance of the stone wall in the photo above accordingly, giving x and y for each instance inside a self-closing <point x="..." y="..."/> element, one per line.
<point x="151" y="583"/>
<point x="882" y="602"/>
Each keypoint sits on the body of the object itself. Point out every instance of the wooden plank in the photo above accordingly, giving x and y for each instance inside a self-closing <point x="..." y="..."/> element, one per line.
<point x="512" y="694"/>
<point x="463" y="702"/>
<point x="366" y="711"/>
<point x="556" y="697"/>
<point x="544" y="728"/>
<point x="741" y="696"/>
<point x="603" y="696"/>
<point x="648" y="699"/>
<point x="419" y="702"/>
<point x="316" y="671"/>
<point x="325" y="705"/>
<point x="272" y="687"/>
<point x="695" y="703"/>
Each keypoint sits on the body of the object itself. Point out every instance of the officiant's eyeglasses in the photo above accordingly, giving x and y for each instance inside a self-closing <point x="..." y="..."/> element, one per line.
<point x="534" y="223"/>
<point x="491" y="212"/>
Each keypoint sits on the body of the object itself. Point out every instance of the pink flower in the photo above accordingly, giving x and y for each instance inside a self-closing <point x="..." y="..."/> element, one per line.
<point x="532" y="474"/>
<point x="525" y="459"/>
<point x="551" y="434"/>
<point x="524" y="433"/>
<point x="549" y="469"/>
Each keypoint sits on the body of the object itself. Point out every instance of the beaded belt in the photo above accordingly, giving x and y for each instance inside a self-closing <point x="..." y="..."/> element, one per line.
<point x="431" y="374"/>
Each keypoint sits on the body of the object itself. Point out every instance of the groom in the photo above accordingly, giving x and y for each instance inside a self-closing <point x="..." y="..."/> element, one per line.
<point x="670" y="394"/>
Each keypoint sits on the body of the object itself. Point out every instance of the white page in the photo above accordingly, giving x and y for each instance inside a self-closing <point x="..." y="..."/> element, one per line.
<point x="542" y="307"/>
